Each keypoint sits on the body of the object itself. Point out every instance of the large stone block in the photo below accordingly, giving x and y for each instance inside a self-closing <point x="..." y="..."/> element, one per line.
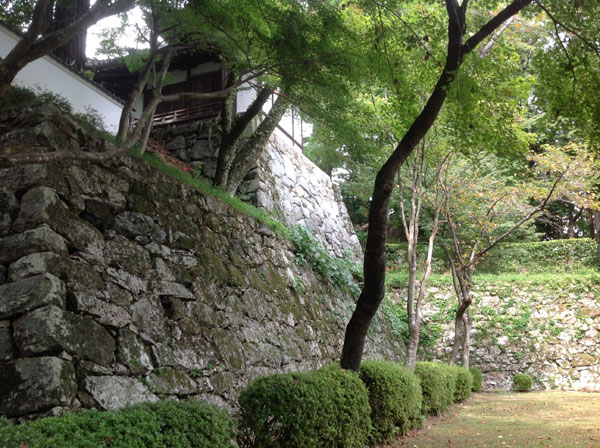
<point x="172" y="382"/>
<point x="105" y="312"/>
<point x="147" y="315"/>
<point x="40" y="239"/>
<point x="42" y="205"/>
<point x="133" y="353"/>
<point x="19" y="177"/>
<point x="140" y="227"/>
<point x="32" y="264"/>
<point x="32" y="385"/>
<point x="31" y="293"/>
<point x="51" y="330"/>
<point x="115" y="392"/>
<point x="6" y="343"/>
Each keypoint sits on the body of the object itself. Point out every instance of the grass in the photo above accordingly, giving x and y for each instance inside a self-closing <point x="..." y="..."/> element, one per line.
<point x="200" y="185"/>
<point x="514" y="420"/>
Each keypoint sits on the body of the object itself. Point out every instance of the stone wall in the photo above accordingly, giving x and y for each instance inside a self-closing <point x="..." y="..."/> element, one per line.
<point x="284" y="182"/>
<point x="547" y="329"/>
<point x="119" y="284"/>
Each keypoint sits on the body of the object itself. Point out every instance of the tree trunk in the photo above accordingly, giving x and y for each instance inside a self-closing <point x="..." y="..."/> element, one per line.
<point x="375" y="256"/>
<point x="31" y="46"/>
<point x="248" y="155"/>
<point x="466" y="348"/>
<point x="414" y="335"/>
<point x="570" y="223"/>
<point x="461" y="279"/>
<point x="228" y="149"/>
<point x="73" y="52"/>
<point x="596" y="215"/>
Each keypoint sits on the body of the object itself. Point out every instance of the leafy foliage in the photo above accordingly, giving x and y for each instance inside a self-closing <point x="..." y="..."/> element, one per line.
<point x="395" y="398"/>
<point x="341" y="271"/>
<point x="315" y="409"/>
<point x="477" y="378"/>
<point x="522" y="382"/>
<point x="192" y="424"/>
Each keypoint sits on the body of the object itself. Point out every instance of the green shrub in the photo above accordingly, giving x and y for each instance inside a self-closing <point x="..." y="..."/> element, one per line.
<point x="477" y="378"/>
<point x="322" y="408"/>
<point x="522" y="382"/>
<point x="395" y="398"/>
<point x="438" y="384"/>
<point x="464" y="383"/>
<point x="192" y="424"/>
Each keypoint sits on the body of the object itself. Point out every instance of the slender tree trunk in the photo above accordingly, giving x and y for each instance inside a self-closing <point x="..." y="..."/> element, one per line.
<point x="140" y="85"/>
<point x="596" y="215"/>
<point x="461" y="279"/>
<point x="570" y="223"/>
<point x="466" y="348"/>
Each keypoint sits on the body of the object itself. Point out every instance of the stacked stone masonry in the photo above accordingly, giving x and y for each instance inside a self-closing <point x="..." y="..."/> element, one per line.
<point x="548" y="330"/>
<point x="120" y="285"/>
<point x="284" y="181"/>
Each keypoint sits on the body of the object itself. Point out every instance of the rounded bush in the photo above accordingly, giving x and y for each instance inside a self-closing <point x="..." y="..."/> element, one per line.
<point x="464" y="383"/>
<point x="477" y="378"/>
<point x="438" y="384"/>
<point x="192" y="424"/>
<point x="522" y="382"/>
<point x="395" y="398"/>
<point x="321" y="408"/>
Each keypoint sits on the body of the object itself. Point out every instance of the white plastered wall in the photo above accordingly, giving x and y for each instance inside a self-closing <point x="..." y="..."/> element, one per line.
<point x="49" y="74"/>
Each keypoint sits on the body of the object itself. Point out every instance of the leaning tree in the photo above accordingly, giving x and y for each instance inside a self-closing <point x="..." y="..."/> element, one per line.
<point x="375" y="256"/>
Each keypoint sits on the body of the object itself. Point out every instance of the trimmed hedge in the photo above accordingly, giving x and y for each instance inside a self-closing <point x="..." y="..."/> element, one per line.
<point x="320" y="408"/>
<point x="395" y="398"/>
<point x="522" y="382"/>
<point x="464" y="383"/>
<point x="191" y="424"/>
<point x="438" y="383"/>
<point x="477" y="377"/>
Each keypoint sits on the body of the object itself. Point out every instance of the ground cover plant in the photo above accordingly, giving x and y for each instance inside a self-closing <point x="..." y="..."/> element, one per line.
<point x="538" y="419"/>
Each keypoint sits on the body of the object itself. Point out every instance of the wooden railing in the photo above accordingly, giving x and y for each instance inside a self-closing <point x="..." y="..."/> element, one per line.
<point x="202" y="111"/>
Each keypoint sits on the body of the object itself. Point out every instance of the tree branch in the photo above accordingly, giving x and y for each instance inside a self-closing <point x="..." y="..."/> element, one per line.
<point x="487" y="29"/>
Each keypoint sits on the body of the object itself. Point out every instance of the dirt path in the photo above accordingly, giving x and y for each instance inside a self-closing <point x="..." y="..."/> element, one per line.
<point x="502" y="420"/>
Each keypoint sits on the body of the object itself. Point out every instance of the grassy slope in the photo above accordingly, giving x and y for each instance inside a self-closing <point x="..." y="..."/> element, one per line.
<point x="517" y="420"/>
